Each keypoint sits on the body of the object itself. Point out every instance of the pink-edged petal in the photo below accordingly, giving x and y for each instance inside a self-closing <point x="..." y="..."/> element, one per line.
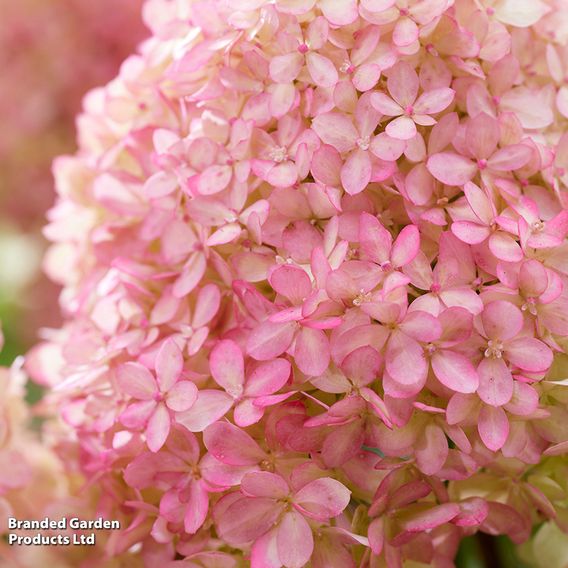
<point x="181" y="396"/>
<point x="385" y="105"/>
<point x="268" y="378"/>
<point x="136" y="415"/>
<point x="434" y="101"/>
<point x="226" y="234"/>
<point x="431" y="450"/>
<point x="367" y="76"/>
<point x="245" y="519"/>
<point x="322" y="70"/>
<point x="227" y="366"/>
<point x="405" y="32"/>
<point x="462" y="297"/>
<point x="171" y="508"/>
<point x="470" y="232"/>
<point x="493" y="427"/>
<point x="323" y="498"/>
<point x="505" y="247"/>
<point x="401" y="128"/>
<point x="479" y="202"/>
<point x="269" y="339"/>
<point x="285" y="68"/>
<point x="451" y="169"/>
<point x="247" y="413"/>
<point x="214" y="179"/>
<point x="282" y="175"/>
<point x="264" y="484"/>
<point x="387" y="148"/>
<point x="431" y="518"/>
<point x="169" y="364"/>
<point x="231" y="445"/>
<point x="375" y="240"/>
<point x="339" y="12"/>
<point x="533" y="278"/>
<point x="405" y="360"/>
<point x="158" y="428"/>
<point x="473" y="512"/>
<point x="406" y="246"/>
<point x="292" y="282"/>
<point x="208" y="301"/>
<point x="362" y="365"/>
<point x="461" y="407"/>
<point x="482" y="135"/>
<point x="343" y="443"/>
<point x="312" y="352"/>
<point x="196" y="508"/>
<point x="403" y="84"/>
<point x="495" y="382"/>
<point x="356" y="172"/>
<point x="455" y="371"/>
<point x="208" y="408"/>
<point x="135" y="379"/>
<point x="529" y="354"/>
<point x="502" y="320"/>
<point x="295" y="540"/>
<point x="510" y="158"/>
<point x="264" y="551"/>
<point x="421" y="326"/>
<point x="337" y="130"/>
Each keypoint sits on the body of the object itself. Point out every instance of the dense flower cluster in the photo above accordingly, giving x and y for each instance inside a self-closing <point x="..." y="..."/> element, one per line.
<point x="316" y="281"/>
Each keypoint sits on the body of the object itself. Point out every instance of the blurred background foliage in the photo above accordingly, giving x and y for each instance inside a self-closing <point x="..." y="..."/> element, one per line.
<point x="51" y="53"/>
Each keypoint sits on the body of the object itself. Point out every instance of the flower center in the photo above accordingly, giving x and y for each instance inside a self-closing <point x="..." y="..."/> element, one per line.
<point x="364" y="142"/>
<point x="267" y="465"/>
<point x="346" y="67"/>
<point x="386" y="266"/>
<point x="482" y="164"/>
<point x="530" y="306"/>
<point x="537" y="226"/>
<point x="494" y="349"/>
<point x="409" y="110"/>
<point x="303" y="48"/>
<point x="435" y="288"/>
<point x="362" y="297"/>
<point x="278" y="154"/>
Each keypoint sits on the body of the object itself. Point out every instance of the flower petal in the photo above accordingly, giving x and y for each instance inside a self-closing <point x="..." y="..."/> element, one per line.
<point x="158" y="428"/>
<point x="323" y="498"/>
<point x="295" y="540"/>
<point x="135" y="379"/>
<point x="501" y="320"/>
<point x="169" y="364"/>
<point x="227" y="366"/>
<point x="322" y="70"/>
<point x="434" y="101"/>
<point x="450" y="168"/>
<point x="231" y="445"/>
<point x="312" y="352"/>
<point x="270" y="339"/>
<point x="493" y="427"/>
<point x="209" y="407"/>
<point x="356" y="172"/>
<point x="529" y="354"/>
<point x="495" y="382"/>
<point x="181" y="396"/>
<point x="455" y="371"/>
<point x="401" y="128"/>
<point x="336" y="129"/>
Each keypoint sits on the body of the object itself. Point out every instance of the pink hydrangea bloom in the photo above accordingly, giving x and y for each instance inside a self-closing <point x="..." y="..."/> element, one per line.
<point x="315" y="278"/>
